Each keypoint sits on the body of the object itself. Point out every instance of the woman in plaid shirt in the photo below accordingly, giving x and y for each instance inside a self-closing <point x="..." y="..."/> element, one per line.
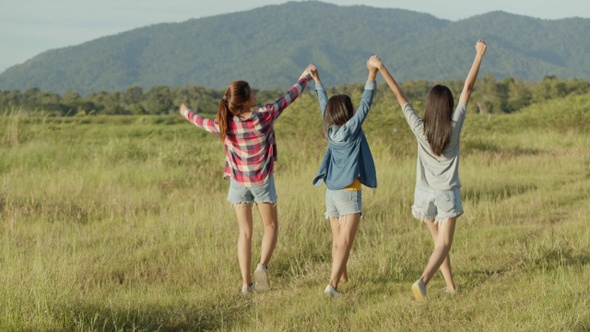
<point x="250" y="152"/>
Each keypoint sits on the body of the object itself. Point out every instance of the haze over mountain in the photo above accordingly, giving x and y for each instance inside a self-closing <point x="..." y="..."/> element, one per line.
<point x="271" y="45"/>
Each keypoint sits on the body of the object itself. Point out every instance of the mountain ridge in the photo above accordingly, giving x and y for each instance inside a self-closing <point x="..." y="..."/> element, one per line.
<point x="270" y="45"/>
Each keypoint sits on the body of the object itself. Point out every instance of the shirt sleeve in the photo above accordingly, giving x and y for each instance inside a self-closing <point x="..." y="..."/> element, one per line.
<point x="458" y="118"/>
<point x="322" y="97"/>
<point x="354" y="124"/>
<point x="201" y="122"/>
<point x="413" y="119"/>
<point x="459" y="113"/>
<point x="275" y="109"/>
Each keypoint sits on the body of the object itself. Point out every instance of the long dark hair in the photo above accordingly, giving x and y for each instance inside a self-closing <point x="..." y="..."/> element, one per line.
<point x="237" y="95"/>
<point x="438" y="118"/>
<point x="338" y="110"/>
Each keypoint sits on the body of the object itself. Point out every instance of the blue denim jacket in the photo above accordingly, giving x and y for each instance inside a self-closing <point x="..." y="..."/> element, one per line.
<point x="348" y="155"/>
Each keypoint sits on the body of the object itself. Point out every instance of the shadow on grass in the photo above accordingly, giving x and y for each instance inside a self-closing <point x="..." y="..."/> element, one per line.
<point x="495" y="193"/>
<point x="480" y="145"/>
<point x="556" y="258"/>
<point x="180" y="316"/>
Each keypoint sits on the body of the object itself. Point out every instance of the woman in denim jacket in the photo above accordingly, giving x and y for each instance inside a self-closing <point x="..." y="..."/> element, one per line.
<point x="346" y="165"/>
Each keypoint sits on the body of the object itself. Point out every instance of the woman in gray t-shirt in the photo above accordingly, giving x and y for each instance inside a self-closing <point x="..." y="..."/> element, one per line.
<point x="437" y="197"/>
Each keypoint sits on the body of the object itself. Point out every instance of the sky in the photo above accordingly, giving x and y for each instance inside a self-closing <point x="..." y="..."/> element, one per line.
<point x="29" y="27"/>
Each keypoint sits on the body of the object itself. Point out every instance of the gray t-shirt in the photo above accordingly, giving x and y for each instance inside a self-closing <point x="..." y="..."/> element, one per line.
<point x="437" y="172"/>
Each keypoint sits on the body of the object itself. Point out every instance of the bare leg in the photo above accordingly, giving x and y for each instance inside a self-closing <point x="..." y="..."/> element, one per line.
<point x="335" y="235"/>
<point x="269" y="215"/>
<point x="341" y="248"/>
<point x="244" y="215"/>
<point x="442" y="245"/>
<point x="445" y="267"/>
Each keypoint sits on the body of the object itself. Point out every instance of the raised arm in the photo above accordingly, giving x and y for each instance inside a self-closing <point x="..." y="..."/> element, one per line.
<point x="480" y="50"/>
<point x="354" y="124"/>
<point x="294" y="92"/>
<point x="199" y="121"/>
<point x="319" y="88"/>
<point x="375" y="61"/>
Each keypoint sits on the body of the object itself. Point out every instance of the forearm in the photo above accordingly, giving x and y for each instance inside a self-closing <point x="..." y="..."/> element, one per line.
<point x="322" y="96"/>
<point x="372" y="75"/>
<point x="395" y="88"/>
<point x="472" y="75"/>
<point x="368" y="95"/>
<point x="292" y="94"/>
<point x="471" y="78"/>
<point x="201" y="122"/>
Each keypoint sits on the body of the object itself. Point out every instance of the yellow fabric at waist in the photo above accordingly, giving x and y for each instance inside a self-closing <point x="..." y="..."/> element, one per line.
<point x="355" y="185"/>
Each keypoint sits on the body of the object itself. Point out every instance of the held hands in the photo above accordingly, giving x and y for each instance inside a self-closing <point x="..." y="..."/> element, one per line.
<point x="373" y="69"/>
<point x="313" y="71"/>
<point x="480" y="48"/>
<point x="307" y="70"/>
<point x="374" y="62"/>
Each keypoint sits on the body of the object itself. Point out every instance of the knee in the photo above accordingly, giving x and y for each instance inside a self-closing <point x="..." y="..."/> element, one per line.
<point x="272" y="226"/>
<point x="442" y="246"/>
<point x="341" y="243"/>
<point x="335" y="245"/>
<point x="245" y="234"/>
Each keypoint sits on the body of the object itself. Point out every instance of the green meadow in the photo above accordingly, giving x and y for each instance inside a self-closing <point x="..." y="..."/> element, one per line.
<point x="120" y="223"/>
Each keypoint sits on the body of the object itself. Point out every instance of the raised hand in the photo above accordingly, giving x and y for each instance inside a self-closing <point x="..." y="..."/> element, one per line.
<point x="183" y="110"/>
<point x="480" y="47"/>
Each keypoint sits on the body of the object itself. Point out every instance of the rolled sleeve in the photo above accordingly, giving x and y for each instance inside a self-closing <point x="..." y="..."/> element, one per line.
<point x="370" y="85"/>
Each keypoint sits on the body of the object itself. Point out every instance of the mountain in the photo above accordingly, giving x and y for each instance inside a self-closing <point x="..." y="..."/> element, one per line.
<point x="269" y="46"/>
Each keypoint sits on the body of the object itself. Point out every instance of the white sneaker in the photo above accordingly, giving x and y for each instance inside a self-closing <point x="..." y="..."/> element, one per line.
<point x="248" y="289"/>
<point x="260" y="278"/>
<point x="330" y="291"/>
<point x="419" y="291"/>
<point x="449" y="292"/>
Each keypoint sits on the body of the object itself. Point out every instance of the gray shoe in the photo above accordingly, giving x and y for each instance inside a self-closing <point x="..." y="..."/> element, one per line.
<point x="449" y="292"/>
<point x="260" y="278"/>
<point x="248" y="289"/>
<point x="330" y="291"/>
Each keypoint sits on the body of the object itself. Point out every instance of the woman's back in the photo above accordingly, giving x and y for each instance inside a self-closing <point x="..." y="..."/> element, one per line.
<point x="439" y="172"/>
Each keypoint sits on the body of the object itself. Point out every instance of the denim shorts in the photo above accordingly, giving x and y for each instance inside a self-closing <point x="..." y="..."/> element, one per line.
<point x="341" y="203"/>
<point x="439" y="205"/>
<point x="265" y="193"/>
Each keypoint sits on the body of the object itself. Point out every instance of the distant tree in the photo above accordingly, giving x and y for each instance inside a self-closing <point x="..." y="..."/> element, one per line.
<point x="158" y="100"/>
<point x="519" y="94"/>
<point x="550" y="88"/>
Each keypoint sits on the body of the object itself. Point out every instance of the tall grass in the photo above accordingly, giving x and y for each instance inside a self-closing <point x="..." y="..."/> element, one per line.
<point x="122" y="223"/>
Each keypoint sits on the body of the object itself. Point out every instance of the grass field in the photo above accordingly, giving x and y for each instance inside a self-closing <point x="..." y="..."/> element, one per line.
<point x="122" y="224"/>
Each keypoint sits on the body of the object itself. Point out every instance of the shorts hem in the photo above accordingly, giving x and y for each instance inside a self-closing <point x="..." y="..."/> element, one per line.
<point x="439" y="220"/>
<point x="326" y="216"/>
<point x="233" y="204"/>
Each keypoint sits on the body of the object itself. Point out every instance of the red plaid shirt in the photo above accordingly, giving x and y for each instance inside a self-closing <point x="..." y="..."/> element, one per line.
<point x="250" y="144"/>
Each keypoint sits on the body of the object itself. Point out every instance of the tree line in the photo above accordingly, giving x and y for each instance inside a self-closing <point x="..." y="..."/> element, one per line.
<point x="491" y="95"/>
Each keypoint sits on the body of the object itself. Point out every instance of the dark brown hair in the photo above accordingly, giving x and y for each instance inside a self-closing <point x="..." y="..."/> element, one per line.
<point x="234" y="102"/>
<point x="438" y="118"/>
<point x="338" y="111"/>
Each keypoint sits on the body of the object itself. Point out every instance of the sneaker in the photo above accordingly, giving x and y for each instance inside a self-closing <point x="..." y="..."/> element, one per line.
<point x="260" y="278"/>
<point x="248" y="289"/>
<point x="330" y="291"/>
<point x="449" y="292"/>
<point x="419" y="291"/>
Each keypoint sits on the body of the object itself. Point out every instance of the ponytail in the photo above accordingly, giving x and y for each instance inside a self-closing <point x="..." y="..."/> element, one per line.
<point x="223" y="114"/>
<point x="236" y="96"/>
